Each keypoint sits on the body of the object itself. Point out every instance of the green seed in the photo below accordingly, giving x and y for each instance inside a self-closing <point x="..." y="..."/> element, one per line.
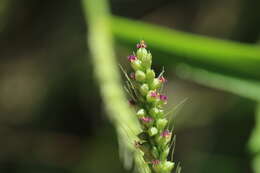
<point x="144" y="88"/>
<point x="152" y="131"/>
<point x="140" y="76"/>
<point x="150" y="75"/>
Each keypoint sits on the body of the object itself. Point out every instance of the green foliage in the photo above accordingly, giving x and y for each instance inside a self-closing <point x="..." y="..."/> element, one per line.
<point x="240" y="58"/>
<point x="243" y="87"/>
<point x="254" y="142"/>
<point x="236" y="65"/>
<point x="221" y="64"/>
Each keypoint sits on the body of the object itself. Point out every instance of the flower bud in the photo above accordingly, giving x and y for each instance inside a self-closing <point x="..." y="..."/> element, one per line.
<point x="152" y="97"/>
<point x="132" y="58"/>
<point x="136" y="65"/>
<point x="160" y="114"/>
<point x="155" y="84"/>
<point x="147" y="121"/>
<point x="161" y="123"/>
<point x="167" y="166"/>
<point x="152" y="131"/>
<point x="141" y="113"/>
<point x="157" y="166"/>
<point x="150" y="75"/>
<point x="147" y="61"/>
<point x="163" y="99"/>
<point x="164" y="138"/>
<point x="141" y="45"/>
<point x="140" y="76"/>
<point x="154" y="112"/>
<point x="166" y="135"/>
<point x="144" y="88"/>
<point x="141" y="53"/>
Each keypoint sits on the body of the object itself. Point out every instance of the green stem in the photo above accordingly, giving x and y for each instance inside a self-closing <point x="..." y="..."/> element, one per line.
<point x="107" y="74"/>
<point x="254" y="142"/>
<point x="239" y="86"/>
<point x="228" y="55"/>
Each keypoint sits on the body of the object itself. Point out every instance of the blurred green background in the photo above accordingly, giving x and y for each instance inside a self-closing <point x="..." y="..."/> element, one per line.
<point x="52" y="117"/>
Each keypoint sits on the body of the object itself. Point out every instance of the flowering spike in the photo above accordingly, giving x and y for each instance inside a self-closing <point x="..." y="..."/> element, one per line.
<point x="155" y="138"/>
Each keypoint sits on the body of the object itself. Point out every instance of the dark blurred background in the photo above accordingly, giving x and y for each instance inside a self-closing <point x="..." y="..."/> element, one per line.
<point x="51" y="113"/>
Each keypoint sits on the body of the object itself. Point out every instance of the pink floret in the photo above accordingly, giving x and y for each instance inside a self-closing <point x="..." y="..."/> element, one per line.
<point x="166" y="134"/>
<point x="132" y="58"/>
<point x="154" y="94"/>
<point x="162" y="79"/>
<point x="141" y="45"/>
<point x="155" y="162"/>
<point x="163" y="98"/>
<point x="146" y="119"/>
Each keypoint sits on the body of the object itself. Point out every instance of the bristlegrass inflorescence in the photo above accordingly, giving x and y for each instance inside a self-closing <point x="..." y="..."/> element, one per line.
<point x="144" y="88"/>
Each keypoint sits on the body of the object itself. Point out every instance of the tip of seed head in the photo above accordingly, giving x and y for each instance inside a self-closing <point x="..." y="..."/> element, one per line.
<point x="141" y="44"/>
